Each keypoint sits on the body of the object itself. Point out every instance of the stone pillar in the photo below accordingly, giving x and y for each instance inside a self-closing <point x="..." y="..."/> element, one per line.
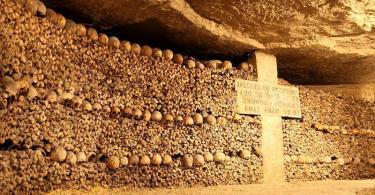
<point x="272" y="134"/>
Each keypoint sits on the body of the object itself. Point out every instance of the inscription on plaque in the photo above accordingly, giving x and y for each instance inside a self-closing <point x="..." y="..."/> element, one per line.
<point x="255" y="98"/>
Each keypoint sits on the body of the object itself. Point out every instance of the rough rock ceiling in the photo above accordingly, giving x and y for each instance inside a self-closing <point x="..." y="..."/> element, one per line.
<point x="316" y="41"/>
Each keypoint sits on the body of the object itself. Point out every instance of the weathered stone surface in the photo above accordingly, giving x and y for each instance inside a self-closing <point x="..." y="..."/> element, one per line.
<point x="332" y="41"/>
<point x="364" y="92"/>
<point x="270" y="99"/>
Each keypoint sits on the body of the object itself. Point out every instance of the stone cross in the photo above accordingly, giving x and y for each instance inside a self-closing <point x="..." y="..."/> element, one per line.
<point x="272" y="101"/>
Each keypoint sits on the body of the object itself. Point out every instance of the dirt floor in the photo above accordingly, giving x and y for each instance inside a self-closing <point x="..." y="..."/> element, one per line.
<point x="342" y="187"/>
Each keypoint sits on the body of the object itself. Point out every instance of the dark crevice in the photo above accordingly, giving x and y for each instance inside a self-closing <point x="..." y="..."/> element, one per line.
<point x="102" y="158"/>
<point x="7" y="145"/>
<point x="176" y="156"/>
<point x="15" y="147"/>
<point x="45" y="141"/>
<point x="155" y="34"/>
<point x="34" y="147"/>
<point x="91" y="157"/>
<point x="325" y="131"/>
<point x="150" y="32"/>
<point x="233" y="153"/>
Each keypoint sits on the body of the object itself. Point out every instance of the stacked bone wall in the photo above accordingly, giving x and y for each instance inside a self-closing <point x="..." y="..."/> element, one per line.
<point x="95" y="86"/>
<point x="335" y="139"/>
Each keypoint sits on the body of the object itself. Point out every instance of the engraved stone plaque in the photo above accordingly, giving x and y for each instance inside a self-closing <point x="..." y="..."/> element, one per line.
<point x="258" y="98"/>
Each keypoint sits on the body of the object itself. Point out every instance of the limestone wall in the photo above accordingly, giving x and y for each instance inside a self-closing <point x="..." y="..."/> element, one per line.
<point x="365" y="92"/>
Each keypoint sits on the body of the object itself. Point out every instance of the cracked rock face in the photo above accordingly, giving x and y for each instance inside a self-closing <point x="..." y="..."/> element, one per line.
<point x="317" y="41"/>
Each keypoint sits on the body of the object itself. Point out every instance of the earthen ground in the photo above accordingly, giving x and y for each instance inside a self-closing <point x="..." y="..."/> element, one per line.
<point x="342" y="187"/>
